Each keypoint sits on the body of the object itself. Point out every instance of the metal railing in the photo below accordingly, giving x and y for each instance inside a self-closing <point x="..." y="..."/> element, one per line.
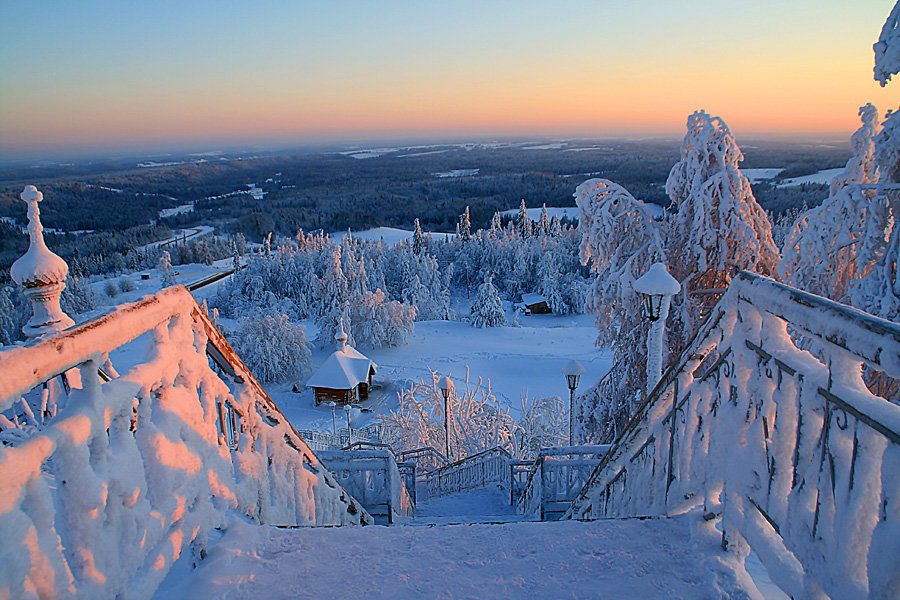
<point x="373" y="477"/>
<point x="556" y="477"/>
<point x="767" y="424"/>
<point x="473" y="472"/>
<point x="132" y="472"/>
<point x="426" y="458"/>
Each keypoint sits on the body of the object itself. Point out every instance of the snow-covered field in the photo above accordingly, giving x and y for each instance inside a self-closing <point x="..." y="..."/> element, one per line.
<point x="823" y="177"/>
<point x="757" y="175"/>
<point x="389" y="235"/>
<point x="535" y="213"/>
<point x="516" y="360"/>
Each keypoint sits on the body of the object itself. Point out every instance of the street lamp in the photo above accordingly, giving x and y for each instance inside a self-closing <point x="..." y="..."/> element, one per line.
<point x="333" y="423"/>
<point x="446" y="385"/>
<point x="348" y="409"/>
<point x="657" y="288"/>
<point x="573" y="372"/>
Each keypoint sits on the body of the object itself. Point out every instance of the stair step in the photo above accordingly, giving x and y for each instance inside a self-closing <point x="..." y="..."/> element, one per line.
<point x="651" y="558"/>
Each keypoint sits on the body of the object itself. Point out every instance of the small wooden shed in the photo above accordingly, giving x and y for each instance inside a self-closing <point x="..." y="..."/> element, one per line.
<point x="535" y="304"/>
<point x="345" y="377"/>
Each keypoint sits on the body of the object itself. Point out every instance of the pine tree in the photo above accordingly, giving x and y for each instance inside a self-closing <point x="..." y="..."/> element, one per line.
<point x="496" y="223"/>
<point x="418" y="239"/>
<point x="465" y="226"/>
<point x="164" y="266"/>
<point x="273" y="347"/>
<point x="487" y="310"/>
<point x="523" y="223"/>
<point x="544" y="223"/>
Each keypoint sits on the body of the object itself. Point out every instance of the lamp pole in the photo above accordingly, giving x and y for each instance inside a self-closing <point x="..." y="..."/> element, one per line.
<point x="446" y="385"/>
<point x="657" y="288"/>
<point x="333" y="422"/>
<point x="573" y="372"/>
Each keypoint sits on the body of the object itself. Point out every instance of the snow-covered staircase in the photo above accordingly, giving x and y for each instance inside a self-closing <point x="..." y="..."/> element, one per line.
<point x="630" y="558"/>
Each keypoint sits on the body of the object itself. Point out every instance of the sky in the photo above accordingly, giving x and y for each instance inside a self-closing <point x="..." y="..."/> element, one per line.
<point x="140" y="75"/>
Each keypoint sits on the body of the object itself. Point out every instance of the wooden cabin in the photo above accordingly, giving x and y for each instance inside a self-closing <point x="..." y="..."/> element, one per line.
<point x="535" y="304"/>
<point x="345" y="377"/>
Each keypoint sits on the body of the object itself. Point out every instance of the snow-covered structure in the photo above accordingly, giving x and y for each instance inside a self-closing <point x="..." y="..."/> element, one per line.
<point x="41" y="273"/>
<point x="345" y="377"/>
<point x="534" y="304"/>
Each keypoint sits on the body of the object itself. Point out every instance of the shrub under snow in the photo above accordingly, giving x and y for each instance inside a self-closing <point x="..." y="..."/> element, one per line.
<point x="273" y="347"/>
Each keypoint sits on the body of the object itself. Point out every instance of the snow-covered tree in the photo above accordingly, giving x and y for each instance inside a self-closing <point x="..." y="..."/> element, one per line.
<point x="496" y="223"/>
<point x="478" y="421"/>
<point x="719" y="227"/>
<point x="544" y="222"/>
<point x="487" y="310"/>
<point x="465" y="226"/>
<point x="620" y="239"/>
<point x="8" y="317"/>
<point x="376" y="321"/>
<point x="164" y="266"/>
<point x="877" y="289"/>
<point x="418" y="238"/>
<point x="523" y="224"/>
<point x="544" y="422"/>
<point x="273" y="347"/>
<point x="821" y="250"/>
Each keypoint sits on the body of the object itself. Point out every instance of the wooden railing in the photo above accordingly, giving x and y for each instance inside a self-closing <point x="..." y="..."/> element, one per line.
<point x="767" y="425"/>
<point x="101" y="498"/>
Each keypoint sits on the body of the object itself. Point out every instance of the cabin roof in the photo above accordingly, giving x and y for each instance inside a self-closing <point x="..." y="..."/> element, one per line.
<point x="343" y="370"/>
<point x="532" y="299"/>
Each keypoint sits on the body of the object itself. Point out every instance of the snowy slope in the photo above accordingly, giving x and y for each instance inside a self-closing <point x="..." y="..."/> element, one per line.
<point x="389" y="235"/>
<point x="653" y="558"/>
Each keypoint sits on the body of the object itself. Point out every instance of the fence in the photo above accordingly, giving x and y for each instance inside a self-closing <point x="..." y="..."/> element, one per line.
<point x="99" y="500"/>
<point x="556" y="477"/>
<point x="767" y="423"/>
<point x="472" y="472"/>
<point x="375" y="479"/>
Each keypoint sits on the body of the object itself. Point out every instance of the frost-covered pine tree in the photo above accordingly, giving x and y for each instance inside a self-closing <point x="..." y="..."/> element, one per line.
<point x="273" y="347"/>
<point x="8" y="317"/>
<point x="543" y="225"/>
<point x="821" y="250"/>
<point x="465" y="226"/>
<point x="523" y="223"/>
<point x="164" y="266"/>
<point x="719" y="228"/>
<point x="487" y="310"/>
<point x="418" y="238"/>
<point x="496" y="223"/>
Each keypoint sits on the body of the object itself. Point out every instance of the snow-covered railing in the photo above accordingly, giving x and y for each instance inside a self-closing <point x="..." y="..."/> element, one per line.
<point x="519" y="473"/>
<point x="374" y="479"/>
<point x="767" y="423"/>
<point x="131" y="472"/>
<point x="320" y="440"/>
<point x="426" y="458"/>
<point x="556" y="477"/>
<point x="473" y="472"/>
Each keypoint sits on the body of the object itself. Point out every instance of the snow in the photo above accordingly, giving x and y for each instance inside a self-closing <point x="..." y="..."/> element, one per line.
<point x="530" y="299"/>
<point x="660" y="558"/>
<point x="569" y="212"/>
<point x="391" y="236"/>
<point x="343" y="370"/>
<point x="457" y="173"/>
<point x="823" y="177"/>
<point x="757" y="175"/>
<point x="657" y="281"/>
<point x="553" y="146"/>
<point x="178" y="210"/>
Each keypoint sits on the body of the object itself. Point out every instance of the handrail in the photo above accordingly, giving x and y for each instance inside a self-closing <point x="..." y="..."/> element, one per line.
<point x="133" y="471"/>
<point x="766" y="423"/>
<point x="472" y="472"/>
<point x="553" y="481"/>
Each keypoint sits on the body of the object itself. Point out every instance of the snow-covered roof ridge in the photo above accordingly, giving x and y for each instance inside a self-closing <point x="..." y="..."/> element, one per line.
<point x="346" y="368"/>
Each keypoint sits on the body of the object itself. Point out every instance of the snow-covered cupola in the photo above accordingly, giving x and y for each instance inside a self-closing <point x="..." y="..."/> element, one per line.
<point x="42" y="275"/>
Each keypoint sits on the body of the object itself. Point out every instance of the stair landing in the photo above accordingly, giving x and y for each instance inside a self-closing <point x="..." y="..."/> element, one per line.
<point x="630" y="558"/>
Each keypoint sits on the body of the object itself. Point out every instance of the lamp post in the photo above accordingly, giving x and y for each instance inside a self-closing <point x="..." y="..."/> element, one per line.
<point x="333" y="423"/>
<point x="347" y="409"/>
<point x="657" y="287"/>
<point x="446" y="385"/>
<point x="573" y="372"/>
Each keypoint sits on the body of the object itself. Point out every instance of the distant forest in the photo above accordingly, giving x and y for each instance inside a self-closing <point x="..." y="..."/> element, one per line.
<point x="115" y="206"/>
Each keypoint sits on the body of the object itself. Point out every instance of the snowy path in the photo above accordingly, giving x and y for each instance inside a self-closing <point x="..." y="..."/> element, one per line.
<point x="653" y="558"/>
<point x="487" y="505"/>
